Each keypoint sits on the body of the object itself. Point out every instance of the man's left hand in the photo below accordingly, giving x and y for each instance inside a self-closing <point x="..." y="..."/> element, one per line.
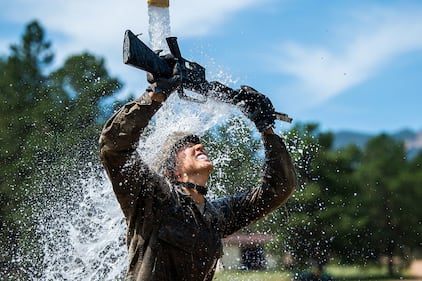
<point x="256" y="106"/>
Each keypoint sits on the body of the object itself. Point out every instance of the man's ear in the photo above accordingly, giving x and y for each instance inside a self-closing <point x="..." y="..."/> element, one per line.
<point x="176" y="173"/>
<point x="176" y="170"/>
<point x="171" y="174"/>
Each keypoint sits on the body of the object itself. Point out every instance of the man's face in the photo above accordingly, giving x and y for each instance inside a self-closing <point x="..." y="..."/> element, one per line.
<point x="193" y="159"/>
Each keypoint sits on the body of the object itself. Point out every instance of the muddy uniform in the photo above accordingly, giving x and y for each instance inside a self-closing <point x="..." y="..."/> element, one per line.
<point x="168" y="236"/>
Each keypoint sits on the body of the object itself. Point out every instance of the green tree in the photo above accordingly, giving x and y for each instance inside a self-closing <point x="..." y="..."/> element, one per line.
<point x="237" y="155"/>
<point x="411" y="181"/>
<point x="320" y="216"/>
<point x="389" y="192"/>
<point x="295" y="225"/>
<point x="304" y="236"/>
<point x="22" y="86"/>
<point x="354" y="204"/>
<point x="47" y="120"/>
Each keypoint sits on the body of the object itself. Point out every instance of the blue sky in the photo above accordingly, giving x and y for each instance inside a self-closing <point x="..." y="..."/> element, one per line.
<point x="346" y="65"/>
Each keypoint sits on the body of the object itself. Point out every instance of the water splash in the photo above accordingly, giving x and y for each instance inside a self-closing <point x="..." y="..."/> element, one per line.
<point x="82" y="229"/>
<point x="181" y="115"/>
<point x="83" y="232"/>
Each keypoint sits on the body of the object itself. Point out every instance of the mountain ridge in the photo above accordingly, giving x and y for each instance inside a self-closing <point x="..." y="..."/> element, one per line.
<point x="412" y="139"/>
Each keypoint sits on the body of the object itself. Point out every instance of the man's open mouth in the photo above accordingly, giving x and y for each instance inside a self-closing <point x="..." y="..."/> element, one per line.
<point x="202" y="157"/>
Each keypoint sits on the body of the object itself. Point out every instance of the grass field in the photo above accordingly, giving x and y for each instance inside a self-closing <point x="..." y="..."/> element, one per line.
<point x="251" y="276"/>
<point x="349" y="273"/>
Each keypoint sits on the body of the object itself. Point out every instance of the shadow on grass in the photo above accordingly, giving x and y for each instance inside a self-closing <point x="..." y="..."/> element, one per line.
<point x="309" y="276"/>
<point x="375" y="277"/>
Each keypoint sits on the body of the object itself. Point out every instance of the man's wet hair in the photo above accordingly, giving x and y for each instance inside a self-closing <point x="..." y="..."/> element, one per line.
<point x="166" y="164"/>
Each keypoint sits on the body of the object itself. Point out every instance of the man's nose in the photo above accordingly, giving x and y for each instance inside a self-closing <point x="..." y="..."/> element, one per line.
<point x="199" y="146"/>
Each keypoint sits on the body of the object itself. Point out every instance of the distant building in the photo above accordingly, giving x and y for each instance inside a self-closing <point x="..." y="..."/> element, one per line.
<point x="246" y="251"/>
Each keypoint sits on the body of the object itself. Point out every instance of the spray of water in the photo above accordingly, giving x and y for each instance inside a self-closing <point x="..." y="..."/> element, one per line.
<point x="83" y="233"/>
<point x="181" y="115"/>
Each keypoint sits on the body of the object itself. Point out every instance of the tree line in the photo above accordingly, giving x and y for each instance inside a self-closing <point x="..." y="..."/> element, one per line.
<point x="48" y="119"/>
<point x="353" y="205"/>
<point x="357" y="206"/>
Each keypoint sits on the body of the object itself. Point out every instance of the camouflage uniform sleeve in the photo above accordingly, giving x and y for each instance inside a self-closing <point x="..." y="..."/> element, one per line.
<point x="118" y="141"/>
<point x="278" y="181"/>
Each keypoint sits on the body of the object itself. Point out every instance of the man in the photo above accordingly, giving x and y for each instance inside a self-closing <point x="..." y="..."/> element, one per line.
<point x="173" y="231"/>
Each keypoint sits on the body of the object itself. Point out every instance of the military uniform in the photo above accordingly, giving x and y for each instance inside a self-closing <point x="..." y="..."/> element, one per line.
<point x="168" y="236"/>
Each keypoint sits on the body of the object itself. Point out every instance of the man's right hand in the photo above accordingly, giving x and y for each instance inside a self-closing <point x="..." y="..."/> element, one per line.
<point x="164" y="87"/>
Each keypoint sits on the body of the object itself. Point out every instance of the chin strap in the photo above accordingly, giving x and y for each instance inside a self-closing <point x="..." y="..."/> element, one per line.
<point x="201" y="189"/>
